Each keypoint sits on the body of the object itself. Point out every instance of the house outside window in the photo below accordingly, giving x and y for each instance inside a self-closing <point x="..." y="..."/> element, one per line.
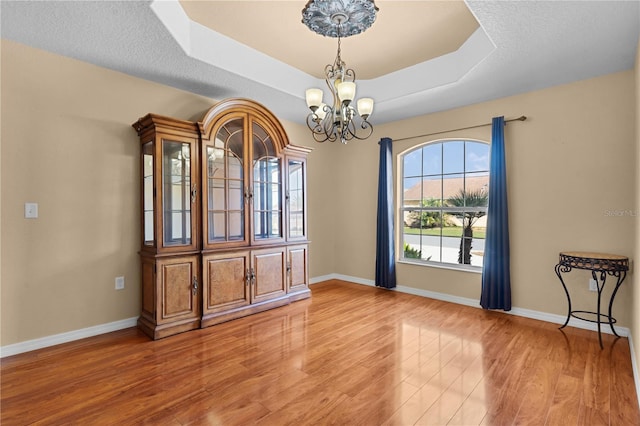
<point x="444" y="199"/>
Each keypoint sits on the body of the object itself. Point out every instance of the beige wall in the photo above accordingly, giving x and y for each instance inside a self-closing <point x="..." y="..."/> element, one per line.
<point x="635" y="276"/>
<point x="68" y="145"/>
<point x="1" y="127"/>
<point x="570" y="168"/>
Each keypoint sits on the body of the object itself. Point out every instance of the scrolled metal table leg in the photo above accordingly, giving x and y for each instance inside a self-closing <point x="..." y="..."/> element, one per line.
<point x="621" y="276"/>
<point x="603" y="277"/>
<point x="564" y="268"/>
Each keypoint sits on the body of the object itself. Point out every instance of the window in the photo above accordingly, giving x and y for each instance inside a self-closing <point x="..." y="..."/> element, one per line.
<point x="445" y="192"/>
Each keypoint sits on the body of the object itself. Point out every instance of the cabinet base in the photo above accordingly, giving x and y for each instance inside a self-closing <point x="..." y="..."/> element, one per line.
<point x="159" y="331"/>
<point x="300" y="295"/>
<point x="219" y="317"/>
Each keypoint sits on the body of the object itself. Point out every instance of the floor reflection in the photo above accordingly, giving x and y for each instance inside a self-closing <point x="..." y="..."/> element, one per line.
<point x="351" y="355"/>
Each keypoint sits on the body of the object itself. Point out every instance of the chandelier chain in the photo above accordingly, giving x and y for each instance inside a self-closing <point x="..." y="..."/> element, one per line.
<point x="339" y="42"/>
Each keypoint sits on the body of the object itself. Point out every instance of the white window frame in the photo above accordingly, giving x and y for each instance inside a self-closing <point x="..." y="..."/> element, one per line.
<point x="402" y="209"/>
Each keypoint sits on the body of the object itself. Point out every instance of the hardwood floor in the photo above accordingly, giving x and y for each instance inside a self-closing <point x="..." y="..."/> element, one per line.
<point x="350" y="355"/>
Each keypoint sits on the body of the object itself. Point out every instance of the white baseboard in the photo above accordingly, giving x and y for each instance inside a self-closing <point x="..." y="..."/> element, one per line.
<point x="634" y="366"/>
<point x="56" y="339"/>
<point x="322" y="278"/>
<point x="31" y="345"/>
<point x="521" y="312"/>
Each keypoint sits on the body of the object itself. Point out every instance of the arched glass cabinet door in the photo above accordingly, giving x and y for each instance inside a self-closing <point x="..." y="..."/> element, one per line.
<point x="224" y="201"/>
<point x="267" y="193"/>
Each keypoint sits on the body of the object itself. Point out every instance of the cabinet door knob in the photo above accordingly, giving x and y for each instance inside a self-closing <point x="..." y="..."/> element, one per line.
<point x="195" y="285"/>
<point x="194" y="192"/>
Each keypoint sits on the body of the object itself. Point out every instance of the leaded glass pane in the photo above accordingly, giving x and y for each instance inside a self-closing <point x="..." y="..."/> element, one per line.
<point x="296" y="225"/>
<point x="236" y="225"/>
<point x="236" y="198"/>
<point x="215" y="196"/>
<point x="217" y="226"/>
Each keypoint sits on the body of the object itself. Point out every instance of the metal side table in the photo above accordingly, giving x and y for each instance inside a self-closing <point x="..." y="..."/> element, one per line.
<point x="600" y="265"/>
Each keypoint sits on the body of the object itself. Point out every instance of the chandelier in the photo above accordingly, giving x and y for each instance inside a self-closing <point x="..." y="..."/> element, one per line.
<point x="339" y="121"/>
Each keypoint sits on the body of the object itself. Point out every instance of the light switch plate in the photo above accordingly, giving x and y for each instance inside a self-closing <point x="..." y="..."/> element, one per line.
<point x="119" y="283"/>
<point x="31" y="210"/>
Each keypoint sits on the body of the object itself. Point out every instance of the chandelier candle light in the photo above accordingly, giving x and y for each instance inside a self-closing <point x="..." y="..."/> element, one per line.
<point x="339" y="18"/>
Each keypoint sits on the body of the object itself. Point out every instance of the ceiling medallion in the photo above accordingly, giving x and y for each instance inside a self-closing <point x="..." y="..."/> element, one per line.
<point x="339" y="18"/>
<point x="351" y="17"/>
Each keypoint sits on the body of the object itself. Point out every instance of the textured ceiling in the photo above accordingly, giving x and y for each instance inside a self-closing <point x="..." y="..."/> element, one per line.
<point x="519" y="46"/>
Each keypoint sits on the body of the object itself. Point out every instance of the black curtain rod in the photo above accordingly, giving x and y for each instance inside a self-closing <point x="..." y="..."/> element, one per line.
<point x="521" y="118"/>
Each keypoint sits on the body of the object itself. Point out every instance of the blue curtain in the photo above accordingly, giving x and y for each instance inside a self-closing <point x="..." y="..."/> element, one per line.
<point x="496" y="269"/>
<point x="385" y="247"/>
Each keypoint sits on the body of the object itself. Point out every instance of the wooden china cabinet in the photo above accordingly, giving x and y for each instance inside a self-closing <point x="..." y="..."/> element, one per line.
<point x="224" y="228"/>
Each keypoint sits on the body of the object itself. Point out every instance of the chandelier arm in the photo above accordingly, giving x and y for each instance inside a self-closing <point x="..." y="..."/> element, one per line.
<point x="368" y="128"/>
<point x="350" y="130"/>
<point x="365" y="125"/>
<point x="312" y="120"/>
<point x="330" y="131"/>
<point x="347" y="133"/>
<point x="330" y="74"/>
<point x="315" y="125"/>
<point x="349" y="75"/>
<point x="320" y="137"/>
<point x="329" y="124"/>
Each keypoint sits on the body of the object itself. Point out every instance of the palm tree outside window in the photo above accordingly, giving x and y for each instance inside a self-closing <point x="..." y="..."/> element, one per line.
<point x="445" y="187"/>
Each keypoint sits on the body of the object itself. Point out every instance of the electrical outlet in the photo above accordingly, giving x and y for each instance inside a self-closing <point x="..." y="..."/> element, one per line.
<point x="593" y="285"/>
<point x="31" y="210"/>
<point x="119" y="283"/>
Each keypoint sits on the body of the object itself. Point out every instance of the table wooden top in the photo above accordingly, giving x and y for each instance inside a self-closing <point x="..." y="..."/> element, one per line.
<point x="593" y="255"/>
<point x="611" y="263"/>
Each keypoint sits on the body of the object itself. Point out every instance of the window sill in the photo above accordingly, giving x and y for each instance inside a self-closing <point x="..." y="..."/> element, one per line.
<point x="472" y="269"/>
